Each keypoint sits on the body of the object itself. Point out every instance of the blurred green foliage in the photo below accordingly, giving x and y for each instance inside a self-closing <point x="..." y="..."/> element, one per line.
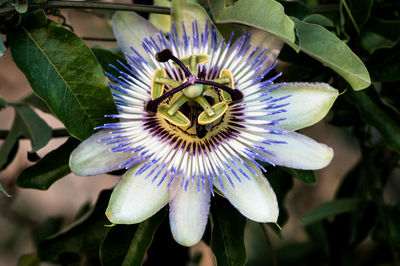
<point x="342" y="42"/>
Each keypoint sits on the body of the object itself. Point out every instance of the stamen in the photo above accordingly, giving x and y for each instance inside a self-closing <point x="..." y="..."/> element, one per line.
<point x="151" y="106"/>
<point x="166" y="55"/>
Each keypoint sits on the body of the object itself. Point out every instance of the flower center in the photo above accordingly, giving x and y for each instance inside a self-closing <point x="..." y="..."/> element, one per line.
<point x="169" y="96"/>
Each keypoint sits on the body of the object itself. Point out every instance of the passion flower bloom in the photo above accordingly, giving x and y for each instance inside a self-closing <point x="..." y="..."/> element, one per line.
<point x="197" y="115"/>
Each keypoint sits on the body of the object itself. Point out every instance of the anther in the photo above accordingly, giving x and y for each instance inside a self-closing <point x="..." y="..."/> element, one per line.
<point x="166" y="55"/>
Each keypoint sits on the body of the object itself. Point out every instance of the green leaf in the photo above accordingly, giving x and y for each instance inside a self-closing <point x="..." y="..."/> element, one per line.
<point x="2" y="190"/>
<point x="349" y="14"/>
<point x="10" y="145"/>
<point x="3" y="48"/>
<point x="65" y="74"/>
<point x="35" y="128"/>
<point x="380" y="34"/>
<point x="28" y="124"/>
<point x="387" y="28"/>
<point x="29" y="260"/>
<point x="379" y="115"/>
<point x="281" y="182"/>
<point x="82" y="237"/>
<point x="3" y="103"/>
<point x="107" y="57"/>
<point x="387" y="230"/>
<point x="296" y="9"/>
<point x="49" y="169"/>
<point x="372" y="41"/>
<point x="306" y="176"/>
<point x="330" y="208"/>
<point x="34" y="19"/>
<point x="21" y="6"/>
<point x="387" y="69"/>
<point x="162" y="22"/>
<point x="127" y="244"/>
<point x="319" y="19"/>
<point x="361" y="10"/>
<point x="49" y="227"/>
<point x="35" y="101"/>
<point x="227" y="237"/>
<point x="266" y="15"/>
<point x="324" y="46"/>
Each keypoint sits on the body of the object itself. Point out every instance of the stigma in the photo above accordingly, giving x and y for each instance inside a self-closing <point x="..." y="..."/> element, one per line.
<point x="169" y="96"/>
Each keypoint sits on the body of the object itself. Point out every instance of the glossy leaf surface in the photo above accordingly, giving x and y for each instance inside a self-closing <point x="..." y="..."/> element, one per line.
<point x="49" y="169"/>
<point x="227" y="237"/>
<point x="334" y="53"/>
<point x="267" y="15"/>
<point x="127" y="244"/>
<point x="65" y="74"/>
<point x="81" y="237"/>
<point x="330" y="208"/>
<point x="379" y="115"/>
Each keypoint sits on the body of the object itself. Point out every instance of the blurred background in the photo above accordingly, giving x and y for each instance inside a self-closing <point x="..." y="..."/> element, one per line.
<point x="26" y="210"/>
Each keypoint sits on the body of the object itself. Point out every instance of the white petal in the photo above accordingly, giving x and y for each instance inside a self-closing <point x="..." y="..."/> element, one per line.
<point x="130" y="29"/>
<point x="136" y="198"/>
<point x="254" y="198"/>
<point x="162" y="22"/>
<point x="299" y="151"/>
<point x="189" y="12"/>
<point x="309" y="103"/>
<point x="92" y="157"/>
<point x="265" y="39"/>
<point x="188" y="213"/>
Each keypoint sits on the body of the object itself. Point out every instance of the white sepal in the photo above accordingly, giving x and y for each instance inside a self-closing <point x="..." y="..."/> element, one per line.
<point x="308" y="103"/>
<point x="136" y="198"/>
<point x="130" y="29"/>
<point x="254" y="198"/>
<point x="299" y="151"/>
<point x="93" y="157"/>
<point x="188" y="213"/>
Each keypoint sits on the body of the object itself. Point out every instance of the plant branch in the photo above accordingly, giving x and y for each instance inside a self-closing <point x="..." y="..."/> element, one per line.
<point x="100" y="39"/>
<point x="57" y="133"/>
<point x="94" y="5"/>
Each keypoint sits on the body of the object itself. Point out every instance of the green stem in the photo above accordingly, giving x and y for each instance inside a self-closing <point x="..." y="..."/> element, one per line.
<point x="269" y="243"/>
<point x="346" y="7"/>
<point x="94" y="5"/>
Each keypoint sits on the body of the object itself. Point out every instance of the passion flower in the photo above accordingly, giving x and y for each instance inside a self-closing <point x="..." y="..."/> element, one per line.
<point x="198" y="115"/>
